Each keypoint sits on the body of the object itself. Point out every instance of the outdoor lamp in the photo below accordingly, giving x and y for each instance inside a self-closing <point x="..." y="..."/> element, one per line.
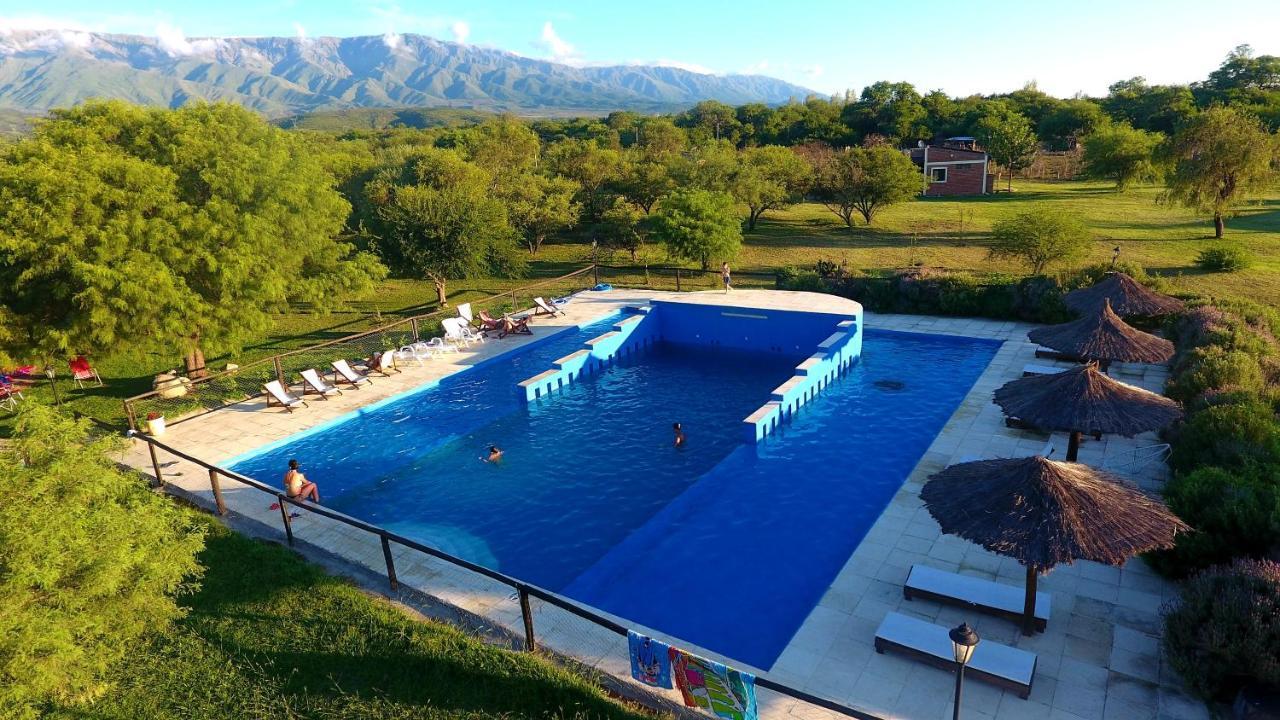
<point x="1115" y="255"/>
<point x="49" y="372"/>
<point x="963" y="641"/>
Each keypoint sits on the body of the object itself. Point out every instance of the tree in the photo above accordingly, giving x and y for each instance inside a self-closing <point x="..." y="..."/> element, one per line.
<point x="1040" y="236"/>
<point x="709" y="166"/>
<point x="539" y="206"/>
<point x="1117" y="151"/>
<point x="1219" y="159"/>
<point x="891" y="109"/>
<point x="1158" y="108"/>
<point x="1008" y="137"/>
<point x="594" y="168"/>
<point x="447" y="225"/>
<point x="91" y="562"/>
<point x="864" y="180"/>
<point x="505" y="147"/>
<point x="711" y="120"/>
<point x="1071" y="120"/>
<point x="698" y="225"/>
<point x="644" y="179"/>
<point x="769" y="178"/>
<point x="131" y="229"/>
<point x="624" y="228"/>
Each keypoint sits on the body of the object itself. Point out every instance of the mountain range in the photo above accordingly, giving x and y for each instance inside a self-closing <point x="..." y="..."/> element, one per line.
<point x="280" y="76"/>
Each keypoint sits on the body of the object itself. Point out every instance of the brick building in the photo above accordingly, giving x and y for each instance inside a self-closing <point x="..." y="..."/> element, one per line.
<point x="951" y="170"/>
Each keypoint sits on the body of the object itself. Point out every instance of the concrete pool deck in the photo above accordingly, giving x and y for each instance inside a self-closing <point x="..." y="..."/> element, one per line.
<point x="1099" y="659"/>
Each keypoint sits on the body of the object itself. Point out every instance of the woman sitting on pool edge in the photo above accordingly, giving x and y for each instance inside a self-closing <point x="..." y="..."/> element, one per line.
<point x="297" y="486"/>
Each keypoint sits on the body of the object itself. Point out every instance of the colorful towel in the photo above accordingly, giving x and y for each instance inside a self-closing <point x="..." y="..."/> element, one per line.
<point x="708" y="685"/>
<point x="650" y="663"/>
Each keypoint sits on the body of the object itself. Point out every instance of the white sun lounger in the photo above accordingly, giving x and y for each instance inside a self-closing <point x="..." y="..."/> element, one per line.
<point x="985" y="596"/>
<point x="312" y="382"/>
<point x="1033" y="369"/>
<point x="464" y="312"/>
<point x="275" y="391"/>
<point x="438" y="345"/>
<point x="418" y="352"/>
<point x="386" y="363"/>
<point x="1001" y="665"/>
<point x="343" y="372"/>
<point x="542" y="307"/>
<point x="458" y="332"/>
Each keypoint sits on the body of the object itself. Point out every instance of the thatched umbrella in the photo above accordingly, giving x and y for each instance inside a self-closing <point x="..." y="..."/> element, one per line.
<point x="1104" y="336"/>
<point x="1083" y="399"/>
<point x="1128" y="298"/>
<point x="1043" y="513"/>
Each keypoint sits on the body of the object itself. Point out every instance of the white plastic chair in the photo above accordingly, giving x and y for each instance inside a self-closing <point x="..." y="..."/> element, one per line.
<point x="454" y="332"/>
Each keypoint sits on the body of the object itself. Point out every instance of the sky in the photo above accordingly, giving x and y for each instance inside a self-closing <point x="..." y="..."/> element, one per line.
<point x="825" y="45"/>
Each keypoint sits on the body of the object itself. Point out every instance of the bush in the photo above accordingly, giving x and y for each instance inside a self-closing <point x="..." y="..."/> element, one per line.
<point x="1233" y="514"/>
<point x="1229" y="436"/>
<point x="1225" y="631"/>
<point x="1223" y="258"/>
<point x="803" y="280"/>
<point x="1213" y="370"/>
<point x="1040" y="237"/>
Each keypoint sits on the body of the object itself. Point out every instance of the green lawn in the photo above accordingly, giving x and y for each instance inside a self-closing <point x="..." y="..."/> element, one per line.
<point x="269" y="635"/>
<point x="938" y="232"/>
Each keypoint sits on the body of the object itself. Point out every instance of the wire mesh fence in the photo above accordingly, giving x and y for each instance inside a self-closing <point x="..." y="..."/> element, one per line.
<point x="679" y="279"/>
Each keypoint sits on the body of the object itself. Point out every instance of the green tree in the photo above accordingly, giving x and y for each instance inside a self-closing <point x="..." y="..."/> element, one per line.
<point x="769" y="178"/>
<point x="131" y="229"/>
<point x="1040" y="236"/>
<point x="1219" y="159"/>
<point x="90" y="561"/>
<point x="894" y="110"/>
<point x="1116" y="151"/>
<point x="624" y="228"/>
<point x="1071" y="120"/>
<point x="864" y="180"/>
<point x="504" y="147"/>
<point x="539" y="206"/>
<point x="447" y="225"/>
<point x="698" y="225"/>
<point x="1158" y="108"/>
<point x="644" y="179"/>
<point x="595" y="169"/>
<point x="711" y="120"/>
<point x="708" y="166"/>
<point x="1008" y="137"/>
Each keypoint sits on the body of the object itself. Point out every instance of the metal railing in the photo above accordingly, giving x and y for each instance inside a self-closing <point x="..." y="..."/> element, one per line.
<point x="387" y="538"/>
<point x="229" y="387"/>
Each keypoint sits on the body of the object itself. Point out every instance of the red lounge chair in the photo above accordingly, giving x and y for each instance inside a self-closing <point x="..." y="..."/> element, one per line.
<point x="81" y="371"/>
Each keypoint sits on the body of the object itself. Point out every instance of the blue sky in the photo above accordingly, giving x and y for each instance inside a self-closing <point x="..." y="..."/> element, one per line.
<point x="827" y="45"/>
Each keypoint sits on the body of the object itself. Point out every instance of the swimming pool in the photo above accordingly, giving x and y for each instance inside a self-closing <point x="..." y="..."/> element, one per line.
<point x="724" y="543"/>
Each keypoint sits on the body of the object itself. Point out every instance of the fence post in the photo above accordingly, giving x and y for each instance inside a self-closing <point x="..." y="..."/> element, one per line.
<point x="595" y="272"/>
<point x="677" y="279"/>
<point x="217" y="491"/>
<point x="391" y="565"/>
<point x="155" y="462"/>
<point x="527" y="614"/>
<point x="413" y="323"/>
<point x="284" y="515"/>
<point x="129" y="413"/>
<point x="279" y="371"/>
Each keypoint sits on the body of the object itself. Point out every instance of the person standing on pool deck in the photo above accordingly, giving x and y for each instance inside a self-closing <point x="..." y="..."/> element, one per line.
<point x="726" y="277"/>
<point x="679" y="434"/>
<point x="297" y="486"/>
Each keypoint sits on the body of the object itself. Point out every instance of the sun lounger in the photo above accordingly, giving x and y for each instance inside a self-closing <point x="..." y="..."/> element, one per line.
<point x="453" y="332"/>
<point x="517" y="326"/>
<point x="81" y="371"/>
<point x="313" y="383"/>
<point x="542" y="307"/>
<point x="1045" y="353"/>
<point x="383" y="363"/>
<point x="1033" y="369"/>
<point x="344" y="373"/>
<point x="489" y="323"/>
<point x="464" y="312"/>
<point x="8" y="399"/>
<point x="985" y="596"/>
<point x="1001" y="665"/>
<point x="418" y="352"/>
<point x="438" y="346"/>
<point x="275" y="391"/>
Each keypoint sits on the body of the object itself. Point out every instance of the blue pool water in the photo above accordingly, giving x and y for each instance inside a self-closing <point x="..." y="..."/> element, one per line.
<point x="722" y="544"/>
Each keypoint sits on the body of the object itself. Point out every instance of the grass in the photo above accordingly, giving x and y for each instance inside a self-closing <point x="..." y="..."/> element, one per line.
<point x="269" y="635"/>
<point x="936" y="232"/>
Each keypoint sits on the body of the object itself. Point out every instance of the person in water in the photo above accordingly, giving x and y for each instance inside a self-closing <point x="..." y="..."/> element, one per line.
<point x="495" y="454"/>
<point x="679" y="434"/>
<point x="297" y="486"/>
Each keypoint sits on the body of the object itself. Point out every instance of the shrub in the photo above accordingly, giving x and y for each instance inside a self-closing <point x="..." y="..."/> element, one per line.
<point x="1223" y="258"/>
<point x="1233" y="514"/>
<point x="1040" y="237"/>
<point x="1213" y="370"/>
<point x="1229" y="436"/>
<point x="805" y="280"/>
<point x="1225" y="630"/>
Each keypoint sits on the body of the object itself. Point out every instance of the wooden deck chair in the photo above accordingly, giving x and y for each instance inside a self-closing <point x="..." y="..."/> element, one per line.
<point x="277" y="393"/>
<point x="542" y="307"/>
<point x="313" y="383"/>
<point x="344" y="373"/>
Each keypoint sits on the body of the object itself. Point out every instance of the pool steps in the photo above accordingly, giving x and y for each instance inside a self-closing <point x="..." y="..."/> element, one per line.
<point x="835" y="354"/>
<point x="628" y="335"/>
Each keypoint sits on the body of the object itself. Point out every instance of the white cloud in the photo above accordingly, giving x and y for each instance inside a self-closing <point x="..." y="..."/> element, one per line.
<point x="461" y="31"/>
<point x="556" y="48"/>
<point x="691" y="67"/>
<point x="392" y="40"/>
<point x="300" y="31"/>
<point x="172" y="41"/>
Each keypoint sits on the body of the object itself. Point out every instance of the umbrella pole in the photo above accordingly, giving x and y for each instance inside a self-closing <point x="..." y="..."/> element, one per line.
<point x="1029" y="607"/>
<point x="1073" y="446"/>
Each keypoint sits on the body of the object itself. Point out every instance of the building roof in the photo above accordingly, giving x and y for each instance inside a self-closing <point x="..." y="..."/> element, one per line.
<point x="945" y="154"/>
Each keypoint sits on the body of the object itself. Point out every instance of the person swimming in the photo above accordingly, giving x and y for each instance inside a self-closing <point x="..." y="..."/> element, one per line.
<point x="495" y="454"/>
<point x="679" y="431"/>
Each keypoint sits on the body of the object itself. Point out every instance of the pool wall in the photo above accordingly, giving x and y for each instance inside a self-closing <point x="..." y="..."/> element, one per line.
<point x="627" y="336"/>
<point x="835" y="354"/>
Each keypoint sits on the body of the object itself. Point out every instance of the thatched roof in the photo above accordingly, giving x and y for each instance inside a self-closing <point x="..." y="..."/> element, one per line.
<point x="1104" y="336"/>
<point x="1128" y="297"/>
<point x="1085" y="399"/>
<point x="1044" y="513"/>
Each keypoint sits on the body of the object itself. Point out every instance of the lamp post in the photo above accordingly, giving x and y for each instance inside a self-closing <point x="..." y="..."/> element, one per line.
<point x="49" y="372"/>
<point x="963" y="641"/>
<point x="1115" y="255"/>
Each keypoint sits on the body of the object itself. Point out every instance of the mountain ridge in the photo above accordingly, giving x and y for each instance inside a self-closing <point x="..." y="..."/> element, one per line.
<point x="277" y="76"/>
